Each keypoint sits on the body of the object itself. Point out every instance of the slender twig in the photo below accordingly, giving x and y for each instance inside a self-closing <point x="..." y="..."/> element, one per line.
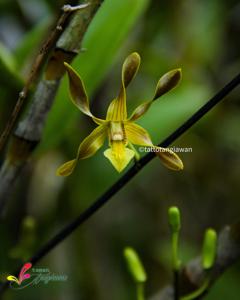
<point x="36" y="68"/>
<point x="140" y="291"/>
<point x="176" y="284"/>
<point x="176" y="263"/>
<point x="117" y="186"/>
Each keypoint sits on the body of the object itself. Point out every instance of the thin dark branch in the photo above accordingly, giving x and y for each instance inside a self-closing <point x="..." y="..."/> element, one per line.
<point x="176" y="284"/>
<point x="117" y="186"/>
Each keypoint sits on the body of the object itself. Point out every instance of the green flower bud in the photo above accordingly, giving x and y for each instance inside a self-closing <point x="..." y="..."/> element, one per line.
<point x="135" y="265"/>
<point x="174" y="219"/>
<point x="209" y="248"/>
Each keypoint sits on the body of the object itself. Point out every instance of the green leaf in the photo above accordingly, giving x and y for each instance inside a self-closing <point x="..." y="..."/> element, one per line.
<point x="10" y="78"/>
<point x="103" y="41"/>
<point x="31" y="42"/>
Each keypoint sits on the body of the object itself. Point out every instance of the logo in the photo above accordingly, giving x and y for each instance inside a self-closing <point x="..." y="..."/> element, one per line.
<point x="37" y="276"/>
<point x="22" y="276"/>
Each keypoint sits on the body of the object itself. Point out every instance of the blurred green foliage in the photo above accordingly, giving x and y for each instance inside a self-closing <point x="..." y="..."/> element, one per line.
<point x="202" y="37"/>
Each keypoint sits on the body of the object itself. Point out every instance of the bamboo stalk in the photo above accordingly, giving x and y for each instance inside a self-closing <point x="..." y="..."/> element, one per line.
<point x="29" y="131"/>
<point x="35" y="70"/>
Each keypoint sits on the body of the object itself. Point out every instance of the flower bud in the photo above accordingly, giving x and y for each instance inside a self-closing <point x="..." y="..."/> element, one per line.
<point x="134" y="265"/>
<point x="174" y="219"/>
<point x="209" y="248"/>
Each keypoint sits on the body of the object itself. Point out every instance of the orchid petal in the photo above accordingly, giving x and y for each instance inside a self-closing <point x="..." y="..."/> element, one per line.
<point x="166" y="83"/>
<point x="67" y="168"/>
<point x="139" y="136"/>
<point x="140" y="110"/>
<point x="117" y="110"/>
<point x="93" y="142"/>
<point x="119" y="155"/>
<point x="89" y="146"/>
<point x="130" y="68"/>
<point x="169" y="159"/>
<point x="78" y="93"/>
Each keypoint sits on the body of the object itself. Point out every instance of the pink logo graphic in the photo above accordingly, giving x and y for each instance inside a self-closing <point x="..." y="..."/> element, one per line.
<point x="22" y="276"/>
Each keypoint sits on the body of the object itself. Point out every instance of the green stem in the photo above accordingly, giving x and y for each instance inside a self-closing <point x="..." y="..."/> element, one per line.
<point x="198" y="292"/>
<point x="176" y="262"/>
<point x="140" y="291"/>
<point x="137" y="155"/>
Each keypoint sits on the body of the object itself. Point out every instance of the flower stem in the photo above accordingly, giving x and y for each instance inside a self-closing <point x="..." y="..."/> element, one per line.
<point x="176" y="264"/>
<point x="140" y="291"/>
<point x="198" y="292"/>
<point x="137" y="155"/>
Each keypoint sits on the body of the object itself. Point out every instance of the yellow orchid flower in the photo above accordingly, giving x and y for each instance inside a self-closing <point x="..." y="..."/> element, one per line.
<point x="122" y="132"/>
